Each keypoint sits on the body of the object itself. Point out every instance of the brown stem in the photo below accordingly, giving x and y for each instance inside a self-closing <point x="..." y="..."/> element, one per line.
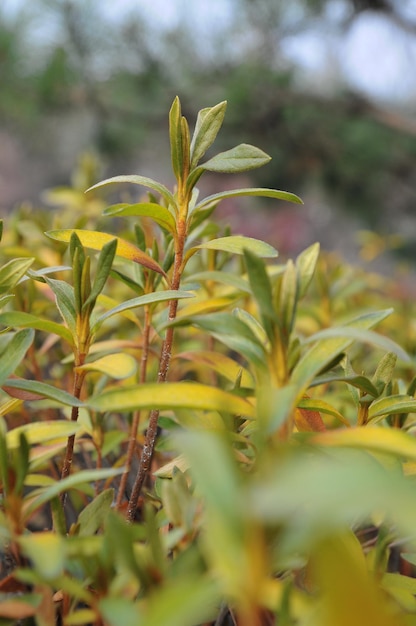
<point x="165" y="356"/>
<point x="136" y="415"/>
<point x="69" y="454"/>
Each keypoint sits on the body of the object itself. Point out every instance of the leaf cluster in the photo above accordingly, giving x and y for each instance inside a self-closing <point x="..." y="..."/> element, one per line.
<point x="192" y="430"/>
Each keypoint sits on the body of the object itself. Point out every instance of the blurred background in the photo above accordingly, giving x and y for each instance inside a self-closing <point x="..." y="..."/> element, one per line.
<point x="326" y="87"/>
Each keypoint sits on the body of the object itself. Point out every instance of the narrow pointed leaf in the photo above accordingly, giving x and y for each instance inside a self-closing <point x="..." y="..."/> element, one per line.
<point x="43" y="390"/>
<point x="150" y="298"/>
<point x="16" y="350"/>
<point x="43" y="495"/>
<point x="96" y="241"/>
<point x="306" y="264"/>
<point x="220" y="363"/>
<point x="227" y="278"/>
<point x="20" y="319"/>
<point x="137" y="180"/>
<point x="208" y="123"/>
<point x="236" y="244"/>
<point x="104" y="264"/>
<point x="12" y="272"/>
<point x="361" y="334"/>
<point x="239" y="159"/>
<point x="42" y="432"/>
<point x="116" y="366"/>
<point x="360" y="382"/>
<point x="65" y="301"/>
<point x="175" y="136"/>
<point x="314" y="404"/>
<point x="391" y="405"/>
<point x="171" y="396"/>
<point x="158" y="213"/>
<point x="327" y="348"/>
<point x="385" y="440"/>
<point x="251" y="191"/>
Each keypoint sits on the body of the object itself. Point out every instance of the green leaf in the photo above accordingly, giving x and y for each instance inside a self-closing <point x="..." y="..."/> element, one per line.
<point x="239" y="159"/>
<point x="208" y="124"/>
<point x="171" y="396"/>
<point x="384" y="372"/>
<point x="12" y="272"/>
<point x="327" y="348"/>
<point x="261" y="288"/>
<point x="175" y="135"/>
<point x="96" y="241"/>
<point x="236" y="244"/>
<point x="159" y="214"/>
<point x="104" y="263"/>
<point x="391" y="405"/>
<point x="306" y="264"/>
<point x="220" y="363"/>
<point x="116" y="366"/>
<point x="42" y="432"/>
<point x="314" y="404"/>
<point x="45" y="494"/>
<point x="43" y="390"/>
<point x="288" y="297"/>
<point x="360" y="334"/>
<point x="46" y="551"/>
<point x="65" y="301"/>
<point x="19" y="319"/>
<point x="16" y="350"/>
<point x="227" y="278"/>
<point x="137" y="180"/>
<point x="150" y="298"/>
<point x="116" y="610"/>
<point x="251" y="191"/>
<point x="232" y="332"/>
<point x="92" y="517"/>
<point x="360" y="382"/>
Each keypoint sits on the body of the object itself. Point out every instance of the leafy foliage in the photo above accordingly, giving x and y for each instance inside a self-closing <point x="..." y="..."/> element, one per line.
<point x="192" y="432"/>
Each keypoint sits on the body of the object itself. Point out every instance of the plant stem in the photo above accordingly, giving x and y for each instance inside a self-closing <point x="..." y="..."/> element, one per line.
<point x="165" y="356"/>
<point x="136" y="415"/>
<point x="67" y="464"/>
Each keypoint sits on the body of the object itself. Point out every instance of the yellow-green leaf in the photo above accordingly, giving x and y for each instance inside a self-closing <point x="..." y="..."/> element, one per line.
<point x="386" y="440"/>
<point x="114" y="365"/>
<point x="96" y="240"/>
<point x="40" y="432"/>
<point x="171" y="396"/>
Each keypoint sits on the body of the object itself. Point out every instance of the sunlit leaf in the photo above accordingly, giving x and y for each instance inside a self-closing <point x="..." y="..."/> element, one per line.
<point x="116" y="366"/>
<point x="386" y="440"/>
<point x="220" y="363"/>
<point x="96" y="240"/>
<point x="171" y="396"/>
<point x="41" y="432"/>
